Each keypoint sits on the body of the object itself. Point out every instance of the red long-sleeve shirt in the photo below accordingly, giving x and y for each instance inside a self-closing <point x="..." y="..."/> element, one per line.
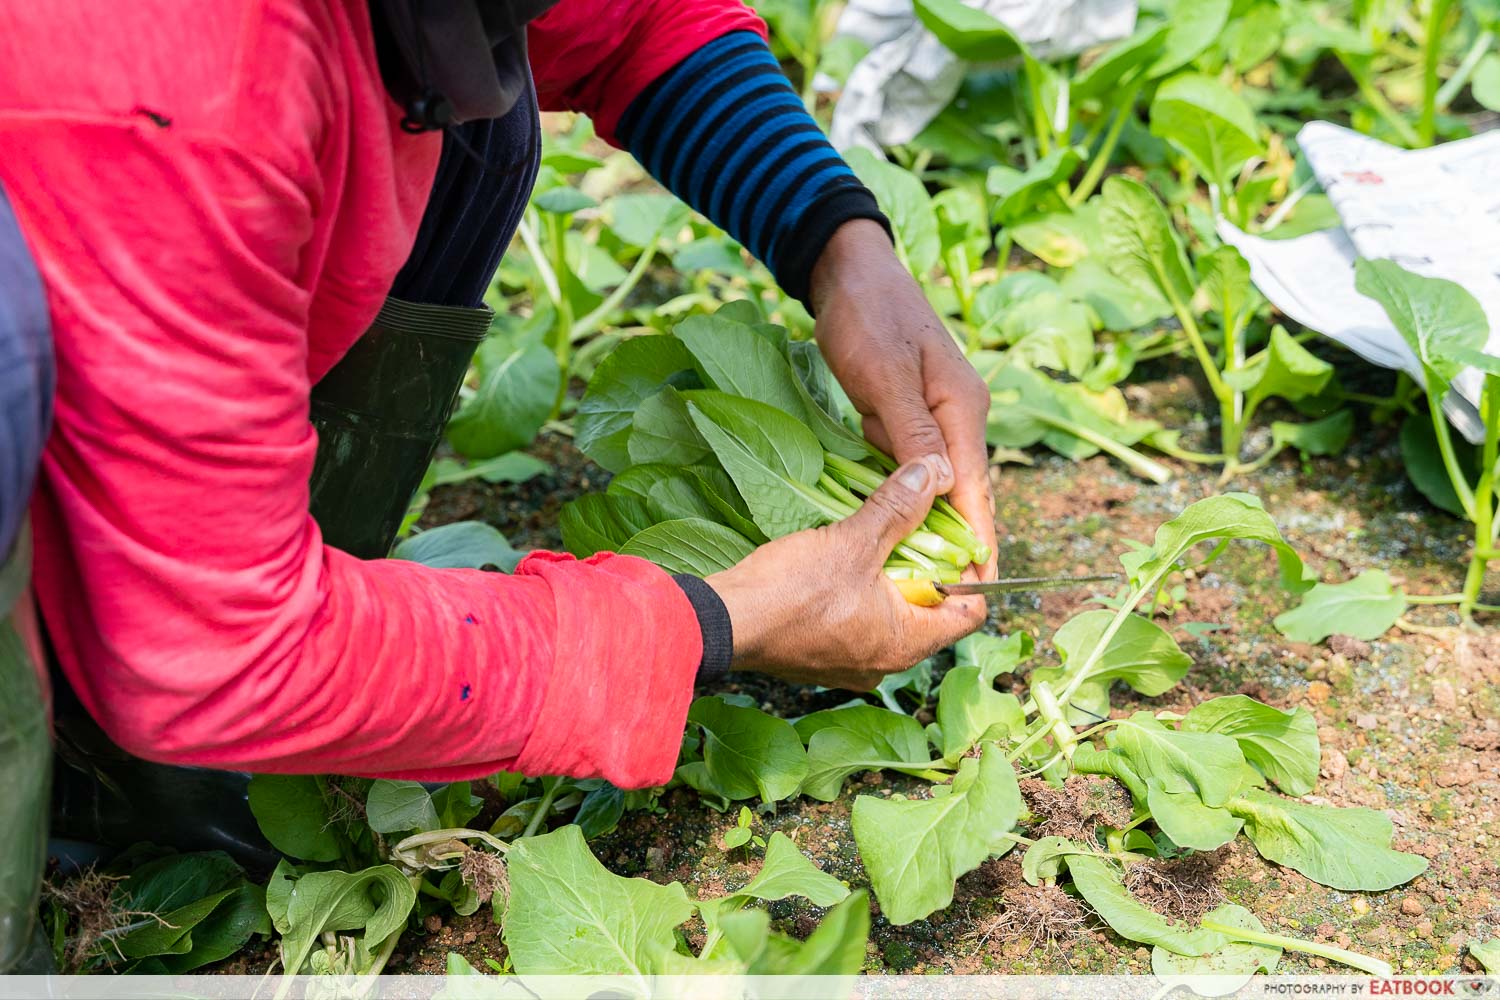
<point x="218" y="196"/>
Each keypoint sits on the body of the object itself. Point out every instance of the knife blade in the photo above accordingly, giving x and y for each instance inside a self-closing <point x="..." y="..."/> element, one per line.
<point x="1020" y="584"/>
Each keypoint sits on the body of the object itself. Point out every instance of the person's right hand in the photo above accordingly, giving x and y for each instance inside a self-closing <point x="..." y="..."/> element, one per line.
<point x="814" y="607"/>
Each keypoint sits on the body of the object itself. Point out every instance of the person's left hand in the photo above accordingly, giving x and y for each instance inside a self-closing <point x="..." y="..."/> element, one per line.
<point x="902" y="369"/>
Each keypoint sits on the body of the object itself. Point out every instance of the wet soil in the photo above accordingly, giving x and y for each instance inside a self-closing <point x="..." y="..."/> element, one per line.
<point x="1409" y="723"/>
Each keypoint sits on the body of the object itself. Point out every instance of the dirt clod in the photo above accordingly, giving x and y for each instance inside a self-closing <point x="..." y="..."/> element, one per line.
<point x="1350" y="647"/>
<point x="1183" y="889"/>
<point x="1412" y="906"/>
<point x="1072" y="810"/>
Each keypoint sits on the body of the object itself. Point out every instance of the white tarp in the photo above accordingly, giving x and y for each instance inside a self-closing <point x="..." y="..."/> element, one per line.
<point x="907" y="77"/>
<point x="1433" y="211"/>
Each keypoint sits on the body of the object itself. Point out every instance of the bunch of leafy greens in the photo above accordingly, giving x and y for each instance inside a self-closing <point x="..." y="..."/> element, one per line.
<point x="724" y="435"/>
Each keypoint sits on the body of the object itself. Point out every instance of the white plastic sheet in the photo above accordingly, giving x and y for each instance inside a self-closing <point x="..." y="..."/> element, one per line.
<point x="907" y="77"/>
<point x="1433" y="211"/>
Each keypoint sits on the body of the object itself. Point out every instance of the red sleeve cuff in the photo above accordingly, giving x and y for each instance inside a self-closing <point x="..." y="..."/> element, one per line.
<point x="628" y="647"/>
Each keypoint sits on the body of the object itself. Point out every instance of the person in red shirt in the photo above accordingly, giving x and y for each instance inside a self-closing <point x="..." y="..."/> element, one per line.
<point x="219" y="198"/>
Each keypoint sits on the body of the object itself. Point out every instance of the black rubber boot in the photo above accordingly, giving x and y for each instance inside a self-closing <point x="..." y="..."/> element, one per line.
<point x="25" y="770"/>
<point x="379" y="415"/>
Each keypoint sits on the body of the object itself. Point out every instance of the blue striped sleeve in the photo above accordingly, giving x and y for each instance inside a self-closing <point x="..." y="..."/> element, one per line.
<point x="725" y="132"/>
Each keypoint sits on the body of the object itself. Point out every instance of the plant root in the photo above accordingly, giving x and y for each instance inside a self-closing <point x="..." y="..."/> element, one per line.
<point x="485" y="874"/>
<point x="1073" y="810"/>
<point x="92" y="911"/>
<point x="1183" y="889"/>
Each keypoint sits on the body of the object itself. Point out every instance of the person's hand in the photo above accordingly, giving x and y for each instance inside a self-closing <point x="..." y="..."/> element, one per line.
<point x="902" y="370"/>
<point x="815" y="607"/>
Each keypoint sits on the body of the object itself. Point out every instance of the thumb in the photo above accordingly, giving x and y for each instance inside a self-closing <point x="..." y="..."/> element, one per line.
<point x="915" y="434"/>
<point x="897" y="508"/>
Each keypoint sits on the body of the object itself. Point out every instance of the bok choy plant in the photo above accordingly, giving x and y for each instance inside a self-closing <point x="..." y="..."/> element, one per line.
<point x="1447" y="330"/>
<point x="1195" y="781"/>
<point x="726" y="434"/>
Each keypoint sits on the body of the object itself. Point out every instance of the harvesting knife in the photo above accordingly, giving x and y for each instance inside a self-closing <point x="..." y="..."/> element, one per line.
<point x="928" y="594"/>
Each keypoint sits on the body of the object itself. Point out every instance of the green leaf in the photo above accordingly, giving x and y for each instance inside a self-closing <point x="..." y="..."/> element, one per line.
<point x="1226" y="969"/>
<point x="993" y="655"/>
<point x="1487" y="953"/>
<point x="459" y="545"/>
<point x="601" y="811"/>
<point x="915" y="850"/>
<point x="207" y="909"/>
<point x="1345" y="849"/>
<point x="600" y="522"/>
<point x="628" y="376"/>
<point x="1230" y="515"/>
<point x="1087" y="759"/>
<point x="563" y="201"/>
<point x="293" y="815"/>
<point x="1285" y="369"/>
<point x="1120" y="60"/>
<point x="1046" y="858"/>
<point x="904" y="200"/>
<point x="1142" y="246"/>
<point x="517" y="387"/>
<point x="968" y="32"/>
<point x="844" y="741"/>
<point x="915" y="680"/>
<point x="1424" y="463"/>
<point x="1209" y="124"/>
<point x="1485" y="84"/>
<point x="456" y="804"/>
<point x="1207" y="764"/>
<point x="1121" y="305"/>
<point x="1023" y="194"/>
<point x="569" y="915"/>
<point x="400" y="806"/>
<point x="1224" y="275"/>
<point x="835" y="948"/>
<point x="1364" y="607"/>
<point x="1442" y="323"/>
<point x="1186" y="821"/>
<point x="663" y="432"/>
<point x="969" y="708"/>
<point x="736" y="360"/>
<point x="732" y="358"/>
<point x="640" y="218"/>
<point x="689" y="545"/>
<point x="376" y="900"/>
<point x="788" y="872"/>
<point x="773" y="459"/>
<point x="1192" y="26"/>
<point x="747" y="752"/>
<point x="1328" y="436"/>
<point x="1282" y="745"/>
<point x="669" y="492"/>
<point x="1047" y="331"/>
<point x="1141" y="653"/>
<point x="1102" y="885"/>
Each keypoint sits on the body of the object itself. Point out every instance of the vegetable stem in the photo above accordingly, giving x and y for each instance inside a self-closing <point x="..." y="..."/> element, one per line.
<point x="539" y="817"/>
<point x="1354" y="959"/>
<point x="1461" y="487"/>
<point x="1099" y="161"/>
<point x="1432" y="52"/>
<point x="1484" y="496"/>
<point x="1455" y="84"/>
<point x="596" y="317"/>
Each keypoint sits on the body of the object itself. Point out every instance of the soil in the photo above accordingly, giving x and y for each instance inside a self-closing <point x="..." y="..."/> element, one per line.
<point x="1409" y="722"/>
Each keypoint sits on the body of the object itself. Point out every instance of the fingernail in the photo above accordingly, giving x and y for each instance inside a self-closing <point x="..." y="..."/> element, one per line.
<point x="914" y="475"/>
